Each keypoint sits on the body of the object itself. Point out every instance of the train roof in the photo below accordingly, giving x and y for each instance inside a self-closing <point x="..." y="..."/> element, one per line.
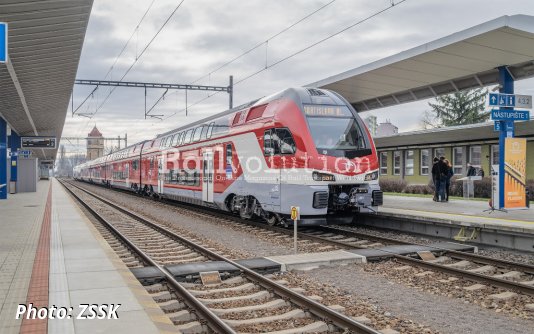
<point x="298" y="94"/>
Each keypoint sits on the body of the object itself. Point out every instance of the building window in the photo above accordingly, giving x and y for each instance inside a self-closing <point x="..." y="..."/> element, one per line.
<point x="458" y="160"/>
<point x="408" y="162"/>
<point x="439" y="152"/>
<point x="475" y="156"/>
<point x="396" y="163"/>
<point x="425" y="162"/>
<point x="383" y="163"/>
<point x="494" y="154"/>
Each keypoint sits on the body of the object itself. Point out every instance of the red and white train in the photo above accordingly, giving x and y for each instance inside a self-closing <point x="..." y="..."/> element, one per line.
<point x="301" y="147"/>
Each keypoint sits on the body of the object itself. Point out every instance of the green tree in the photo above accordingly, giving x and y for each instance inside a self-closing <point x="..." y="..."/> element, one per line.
<point x="460" y="108"/>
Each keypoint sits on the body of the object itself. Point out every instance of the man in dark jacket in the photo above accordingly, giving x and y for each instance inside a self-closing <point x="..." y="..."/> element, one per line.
<point x="436" y="172"/>
<point x="471" y="171"/>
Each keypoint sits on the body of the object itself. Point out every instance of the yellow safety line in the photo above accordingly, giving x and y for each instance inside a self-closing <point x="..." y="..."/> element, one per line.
<point x="466" y="215"/>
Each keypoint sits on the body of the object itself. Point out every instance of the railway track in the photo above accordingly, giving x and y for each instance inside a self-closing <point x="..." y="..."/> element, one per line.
<point x="246" y="303"/>
<point x="499" y="273"/>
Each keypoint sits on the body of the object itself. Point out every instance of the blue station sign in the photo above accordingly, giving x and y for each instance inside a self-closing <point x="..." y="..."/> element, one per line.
<point x="510" y="115"/>
<point x="510" y="100"/>
<point x="3" y="42"/>
<point x="24" y="153"/>
<point x="501" y="100"/>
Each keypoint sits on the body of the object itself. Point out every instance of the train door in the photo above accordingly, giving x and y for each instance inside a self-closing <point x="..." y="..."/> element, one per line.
<point x="161" y="173"/>
<point x="127" y="173"/>
<point x="207" y="176"/>
<point x="272" y="156"/>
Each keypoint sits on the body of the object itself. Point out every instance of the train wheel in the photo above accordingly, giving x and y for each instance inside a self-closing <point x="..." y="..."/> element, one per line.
<point x="248" y="207"/>
<point x="272" y="219"/>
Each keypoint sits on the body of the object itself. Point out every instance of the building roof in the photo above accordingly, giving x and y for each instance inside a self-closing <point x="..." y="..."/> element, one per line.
<point x="463" y="60"/>
<point x="44" y="45"/>
<point x="473" y="133"/>
<point x="94" y="133"/>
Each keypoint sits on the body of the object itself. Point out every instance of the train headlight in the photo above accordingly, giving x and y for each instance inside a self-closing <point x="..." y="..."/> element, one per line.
<point x="323" y="177"/>
<point x="371" y="176"/>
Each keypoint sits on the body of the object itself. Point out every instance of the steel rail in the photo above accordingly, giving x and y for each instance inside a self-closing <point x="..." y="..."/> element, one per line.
<point x="510" y="285"/>
<point x="213" y="321"/>
<point x="319" y="310"/>
<point x="526" y="289"/>
<point x="362" y="235"/>
<point x="526" y="268"/>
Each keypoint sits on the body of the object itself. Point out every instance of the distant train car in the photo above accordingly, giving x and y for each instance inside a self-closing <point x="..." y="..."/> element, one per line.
<point x="301" y="147"/>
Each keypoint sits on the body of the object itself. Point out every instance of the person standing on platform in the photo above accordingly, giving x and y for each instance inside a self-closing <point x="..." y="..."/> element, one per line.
<point x="435" y="177"/>
<point x="471" y="171"/>
<point x="450" y="173"/>
<point x="443" y="171"/>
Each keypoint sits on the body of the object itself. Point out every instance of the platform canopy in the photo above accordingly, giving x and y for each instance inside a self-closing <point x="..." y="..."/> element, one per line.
<point x="463" y="60"/>
<point x="44" y="45"/>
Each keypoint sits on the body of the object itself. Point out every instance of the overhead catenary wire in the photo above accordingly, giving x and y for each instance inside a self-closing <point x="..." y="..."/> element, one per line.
<point x="136" y="29"/>
<point x="141" y="53"/>
<point x="258" y="45"/>
<point x="138" y="57"/>
<point x="320" y="41"/>
<point x="266" y="41"/>
<point x="300" y="51"/>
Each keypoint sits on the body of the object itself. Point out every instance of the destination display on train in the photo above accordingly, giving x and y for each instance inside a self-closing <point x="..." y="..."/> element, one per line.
<point x="327" y="111"/>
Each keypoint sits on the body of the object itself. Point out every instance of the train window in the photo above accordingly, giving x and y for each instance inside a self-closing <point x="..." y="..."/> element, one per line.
<point x="285" y="141"/>
<point x="268" y="148"/>
<point x="178" y="139"/>
<point x="204" y="133"/>
<point x="198" y="132"/>
<point x="220" y="126"/>
<point x="229" y="155"/>
<point x="135" y="164"/>
<point x="152" y="163"/>
<point x="278" y="141"/>
<point x="237" y="117"/>
<point x="188" y="136"/>
<point x="256" y="112"/>
<point x="210" y="130"/>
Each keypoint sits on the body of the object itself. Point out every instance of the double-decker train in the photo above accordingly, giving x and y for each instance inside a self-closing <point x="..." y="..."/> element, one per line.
<point x="302" y="147"/>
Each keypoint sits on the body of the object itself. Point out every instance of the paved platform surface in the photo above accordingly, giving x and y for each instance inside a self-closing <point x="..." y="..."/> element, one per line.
<point x="464" y="212"/>
<point x="20" y="224"/>
<point x="85" y="270"/>
<point x="81" y="269"/>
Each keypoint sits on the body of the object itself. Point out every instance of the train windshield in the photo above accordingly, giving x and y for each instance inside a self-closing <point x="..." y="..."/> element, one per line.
<point x="334" y="128"/>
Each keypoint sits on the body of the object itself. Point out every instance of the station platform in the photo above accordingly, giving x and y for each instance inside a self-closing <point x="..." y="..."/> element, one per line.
<point x="51" y="254"/>
<point x="446" y="219"/>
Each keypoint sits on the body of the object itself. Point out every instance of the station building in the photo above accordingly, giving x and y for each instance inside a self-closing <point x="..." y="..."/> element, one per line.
<point x="409" y="155"/>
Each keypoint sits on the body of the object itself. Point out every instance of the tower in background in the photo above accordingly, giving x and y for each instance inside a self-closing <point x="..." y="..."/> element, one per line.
<point x="95" y="144"/>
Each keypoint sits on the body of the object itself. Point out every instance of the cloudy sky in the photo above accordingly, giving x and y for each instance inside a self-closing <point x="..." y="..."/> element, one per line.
<point x="202" y="35"/>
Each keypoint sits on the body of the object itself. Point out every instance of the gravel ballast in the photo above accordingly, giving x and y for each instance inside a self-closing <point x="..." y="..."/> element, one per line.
<point x="444" y="314"/>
